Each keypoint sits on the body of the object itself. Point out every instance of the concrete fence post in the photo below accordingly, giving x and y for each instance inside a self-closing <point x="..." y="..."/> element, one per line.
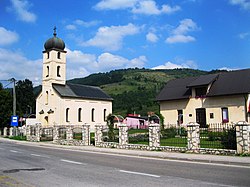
<point x="242" y="137"/>
<point x="123" y="135"/>
<point x="11" y="133"/>
<point x="86" y="134"/>
<point x="55" y="134"/>
<point x="154" y="135"/>
<point x="38" y="132"/>
<point x="69" y="133"/>
<point x="193" y="136"/>
<point x="28" y="131"/>
<point x="98" y="135"/>
<point x="5" y="131"/>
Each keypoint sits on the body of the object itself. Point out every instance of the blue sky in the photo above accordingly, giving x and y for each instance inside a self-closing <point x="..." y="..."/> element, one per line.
<point x="103" y="35"/>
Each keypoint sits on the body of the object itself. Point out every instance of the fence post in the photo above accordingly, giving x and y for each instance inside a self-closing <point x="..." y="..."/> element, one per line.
<point x="242" y="137"/>
<point x="38" y="133"/>
<point x="69" y="133"/>
<point x="28" y="129"/>
<point x="5" y="131"/>
<point x="154" y="135"/>
<point x="11" y="132"/>
<point x="55" y="134"/>
<point x="193" y="136"/>
<point x="85" y="134"/>
<point x="98" y="135"/>
<point x="123" y="135"/>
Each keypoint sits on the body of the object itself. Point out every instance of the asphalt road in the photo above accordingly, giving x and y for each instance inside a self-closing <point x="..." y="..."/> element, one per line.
<point x="23" y="165"/>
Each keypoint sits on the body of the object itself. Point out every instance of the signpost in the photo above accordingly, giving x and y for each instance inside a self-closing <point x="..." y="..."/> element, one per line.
<point x="14" y="121"/>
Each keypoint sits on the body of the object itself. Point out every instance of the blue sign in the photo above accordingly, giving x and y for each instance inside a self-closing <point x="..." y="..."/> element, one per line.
<point x="14" y="121"/>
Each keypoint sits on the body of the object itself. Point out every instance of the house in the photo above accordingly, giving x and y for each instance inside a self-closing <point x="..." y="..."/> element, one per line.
<point x="213" y="98"/>
<point x="60" y="103"/>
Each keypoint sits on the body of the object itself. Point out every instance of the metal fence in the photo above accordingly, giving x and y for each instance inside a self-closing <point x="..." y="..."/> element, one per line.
<point x="77" y="133"/>
<point x="218" y="136"/>
<point x="62" y="133"/>
<point x="46" y="134"/>
<point x="138" y="136"/>
<point x="174" y="136"/>
<point x="110" y="135"/>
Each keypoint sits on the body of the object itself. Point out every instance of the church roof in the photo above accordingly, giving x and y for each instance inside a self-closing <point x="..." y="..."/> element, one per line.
<point x="222" y="84"/>
<point x="81" y="91"/>
<point x="54" y="43"/>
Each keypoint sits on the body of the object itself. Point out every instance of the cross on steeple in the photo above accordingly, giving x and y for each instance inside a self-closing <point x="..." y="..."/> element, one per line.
<point x="54" y="31"/>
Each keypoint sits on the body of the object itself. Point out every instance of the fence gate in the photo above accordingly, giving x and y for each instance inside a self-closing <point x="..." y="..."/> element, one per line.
<point x="47" y="134"/>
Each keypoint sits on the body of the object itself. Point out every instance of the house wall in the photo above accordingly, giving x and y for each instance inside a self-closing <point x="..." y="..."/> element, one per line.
<point x="235" y="105"/>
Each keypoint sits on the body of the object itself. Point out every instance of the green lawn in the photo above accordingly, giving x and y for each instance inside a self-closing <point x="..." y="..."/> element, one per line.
<point x="135" y="131"/>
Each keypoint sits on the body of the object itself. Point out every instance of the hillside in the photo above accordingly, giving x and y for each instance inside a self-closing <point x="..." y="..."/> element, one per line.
<point x="134" y="90"/>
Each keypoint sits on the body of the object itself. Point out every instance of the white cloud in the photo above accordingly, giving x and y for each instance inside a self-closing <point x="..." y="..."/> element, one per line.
<point x="244" y="4"/>
<point x="179" y="34"/>
<point x="21" y="9"/>
<point x="151" y="37"/>
<point x="80" y="64"/>
<point x="70" y="27"/>
<point x="111" y="38"/>
<point x="244" y="35"/>
<point x="7" y="37"/>
<point x="146" y="7"/>
<point x="14" y="64"/>
<point x="169" y="65"/>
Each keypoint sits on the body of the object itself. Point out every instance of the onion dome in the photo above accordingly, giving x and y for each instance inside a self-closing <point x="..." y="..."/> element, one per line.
<point x="54" y="43"/>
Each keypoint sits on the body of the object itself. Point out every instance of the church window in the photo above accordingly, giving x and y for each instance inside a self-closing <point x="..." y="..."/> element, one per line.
<point x="104" y="114"/>
<point x="58" y="55"/>
<point x="58" y="71"/>
<point x="79" y="115"/>
<point x="67" y="114"/>
<point x="47" y="55"/>
<point x="47" y="98"/>
<point x="47" y="71"/>
<point x="93" y="115"/>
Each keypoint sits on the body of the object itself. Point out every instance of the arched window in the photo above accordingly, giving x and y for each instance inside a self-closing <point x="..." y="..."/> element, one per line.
<point x="47" y="55"/>
<point x="104" y="114"/>
<point x="93" y="115"/>
<point x="47" y="71"/>
<point x="79" y="115"/>
<point x="58" y="71"/>
<point x="67" y="114"/>
<point x="47" y="98"/>
<point x="58" y="55"/>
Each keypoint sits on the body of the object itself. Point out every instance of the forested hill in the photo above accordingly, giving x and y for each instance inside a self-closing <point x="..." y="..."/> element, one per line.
<point x="134" y="90"/>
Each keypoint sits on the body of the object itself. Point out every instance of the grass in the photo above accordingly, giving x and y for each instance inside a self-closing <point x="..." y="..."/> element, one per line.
<point x="135" y="131"/>
<point x="176" y="142"/>
<point x="21" y="138"/>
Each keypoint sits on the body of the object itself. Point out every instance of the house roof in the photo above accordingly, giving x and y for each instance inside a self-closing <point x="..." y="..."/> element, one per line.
<point x="226" y="83"/>
<point x="81" y="91"/>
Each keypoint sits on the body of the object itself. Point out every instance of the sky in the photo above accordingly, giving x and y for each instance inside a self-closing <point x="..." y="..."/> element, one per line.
<point x="104" y="35"/>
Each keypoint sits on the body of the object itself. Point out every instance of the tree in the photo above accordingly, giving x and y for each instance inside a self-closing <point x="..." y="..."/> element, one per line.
<point x="6" y="107"/>
<point x="110" y="124"/>
<point x="25" y="97"/>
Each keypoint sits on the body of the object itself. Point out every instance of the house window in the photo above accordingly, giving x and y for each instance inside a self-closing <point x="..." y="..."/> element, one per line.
<point x="58" y="71"/>
<point x="67" y="114"/>
<point x="225" y="117"/>
<point x="47" y="71"/>
<point x="58" y="55"/>
<point x="104" y="114"/>
<point x="93" y="115"/>
<point x="79" y="115"/>
<point x="200" y="92"/>
<point x="180" y="117"/>
<point x="47" y="98"/>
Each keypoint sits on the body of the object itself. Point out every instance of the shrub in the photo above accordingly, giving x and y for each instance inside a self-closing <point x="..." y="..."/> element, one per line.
<point x="169" y="133"/>
<point x="228" y="139"/>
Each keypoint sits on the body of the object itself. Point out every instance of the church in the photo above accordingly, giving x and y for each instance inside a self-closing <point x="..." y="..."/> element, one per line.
<point x="61" y="103"/>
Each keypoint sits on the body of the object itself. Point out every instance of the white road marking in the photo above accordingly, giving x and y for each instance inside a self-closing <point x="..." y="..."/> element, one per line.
<point x="35" y="155"/>
<point x="72" y="162"/>
<point x="39" y="155"/>
<point x="13" y="151"/>
<point x="138" y="173"/>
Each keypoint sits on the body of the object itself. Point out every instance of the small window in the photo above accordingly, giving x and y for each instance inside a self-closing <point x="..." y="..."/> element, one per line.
<point x="93" y="115"/>
<point x="47" y="98"/>
<point x="200" y="92"/>
<point x="58" y="71"/>
<point x="58" y="55"/>
<point x="225" y="117"/>
<point x="104" y="114"/>
<point x="67" y="114"/>
<point x="47" y="71"/>
<point x="211" y="115"/>
<point x="47" y="55"/>
<point x="79" y="115"/>
<point x="180" y="117"/>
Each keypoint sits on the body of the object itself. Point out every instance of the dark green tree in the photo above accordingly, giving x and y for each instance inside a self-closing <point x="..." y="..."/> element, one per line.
<point x="25" y="97"/>
<point x="110" y="123"/>
<point x="6" y="107"/>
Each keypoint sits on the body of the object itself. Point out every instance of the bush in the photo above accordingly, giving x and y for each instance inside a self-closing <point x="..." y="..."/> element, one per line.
<point x="169" y="133"/>
<point x="228" y="139"/>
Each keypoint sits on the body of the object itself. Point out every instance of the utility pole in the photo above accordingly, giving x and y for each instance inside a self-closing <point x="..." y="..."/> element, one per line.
<point x="14" y="95"/>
